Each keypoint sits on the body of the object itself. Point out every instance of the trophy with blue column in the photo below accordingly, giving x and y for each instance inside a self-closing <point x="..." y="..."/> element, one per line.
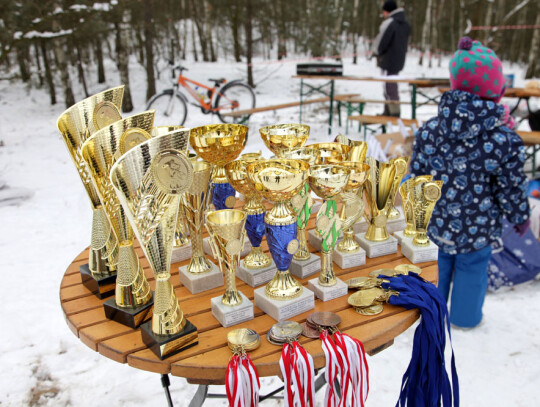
<point x="278" y="181"/>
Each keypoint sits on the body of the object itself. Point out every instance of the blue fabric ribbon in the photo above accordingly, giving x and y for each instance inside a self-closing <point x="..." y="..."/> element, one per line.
<point x="255" y="228"/>
<point x="425" y="382"/>
<point x="221" y="193"/>
<point x="278" y="238"/>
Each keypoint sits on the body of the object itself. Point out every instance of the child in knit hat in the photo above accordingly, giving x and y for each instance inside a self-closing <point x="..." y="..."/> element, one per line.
<point x="470" y="146"/>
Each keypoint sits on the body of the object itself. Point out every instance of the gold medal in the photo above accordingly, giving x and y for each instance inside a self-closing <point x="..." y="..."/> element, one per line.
<point x="432" y="192"/>
<point x="408" y="268"/>
<point x="366" y="298"/>
<point x="322" y="222"/>
<point x="243" y="338"/>
<point x="285" y="331"/>
<point x="375" y="309"/>
<point x="230" y="201"/>
<point x="131" y="138"/>
<point x="293" y="246"/>
<point x="105" y="113"/>
<point x="385" y="272"/>
<point x="363" y="282"/>
<point x="297" y="202"/>
<point x="172" y="171"/>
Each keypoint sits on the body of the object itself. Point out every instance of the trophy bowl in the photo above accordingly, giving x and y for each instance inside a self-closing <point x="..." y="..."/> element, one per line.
<point x="328" y="180"/>
<point x="331" y="153"/>
<point x="358" y="148"/>
<point x="282" y="137"/>
<point x="219" y="144"/>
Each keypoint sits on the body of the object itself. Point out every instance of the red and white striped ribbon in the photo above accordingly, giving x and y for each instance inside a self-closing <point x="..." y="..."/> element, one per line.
<point x="355" y="371"/>
<point x="298" y="375"/>
<point x="242" y="384"/>
<point x="333" y="369"/>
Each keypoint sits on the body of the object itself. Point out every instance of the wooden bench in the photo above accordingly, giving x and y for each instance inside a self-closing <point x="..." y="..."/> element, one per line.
<point x="367" y="120"/>
<point x="531" y="139"/>
<point x="283" y="106"/>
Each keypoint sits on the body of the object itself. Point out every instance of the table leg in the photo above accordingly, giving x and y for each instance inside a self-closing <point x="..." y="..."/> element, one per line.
<point x="165" y="382"/>
<point x="331" y="107"/>
<point x="413" y="101"/>
<point x="301" y="93"/>
<point x="200" y="396"/>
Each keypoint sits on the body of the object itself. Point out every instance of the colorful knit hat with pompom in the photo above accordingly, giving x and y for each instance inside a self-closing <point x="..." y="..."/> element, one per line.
<point x="476" y="69"/>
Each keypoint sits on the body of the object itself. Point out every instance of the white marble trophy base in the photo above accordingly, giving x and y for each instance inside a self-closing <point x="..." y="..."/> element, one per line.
<point x="418" y="254"/>
<point x="328" y="293"/>
<point x="361" y="226"/>
<point x="396" y="224"/>
<point x="229" y="315"/>
<point x="377" y="249"/>
<point x="256" y="277"/>
<point x="284" y="309"/>
<point x="316" y="241"/>
<point x="304" y="268"/>
<point x="401" y="237"/>
<point x="349" y="260"/>
<point x="208" y="250"/>
<point x="197" y="283"/>
<point x="181" y="253"/>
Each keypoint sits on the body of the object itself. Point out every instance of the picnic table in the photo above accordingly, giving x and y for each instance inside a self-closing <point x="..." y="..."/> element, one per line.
<point x="205" y="364"/>
<point x="327" y="88"/>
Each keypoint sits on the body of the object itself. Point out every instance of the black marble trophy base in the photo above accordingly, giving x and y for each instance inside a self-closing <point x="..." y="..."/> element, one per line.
<point x="103" y="287"/>
<point x="167" y="345"/>
<point x="132" y="317"/>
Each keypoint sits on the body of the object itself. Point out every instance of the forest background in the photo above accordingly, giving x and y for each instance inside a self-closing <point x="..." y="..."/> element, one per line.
<point x="55" y="44"/>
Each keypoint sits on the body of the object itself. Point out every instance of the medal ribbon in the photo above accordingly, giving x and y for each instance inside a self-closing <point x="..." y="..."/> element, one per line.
<point x="333" y="370"/>
<point x="298" y="374"/>
<point x="355" y="372"/>
<point x="242" y="385"/>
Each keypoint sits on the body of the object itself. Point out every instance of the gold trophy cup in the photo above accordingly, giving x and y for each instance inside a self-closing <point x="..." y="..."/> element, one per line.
<point x="284" y="137"/>
<point x="408" y="210"/>
<point x="424" y="196"/>
<point x="76" y="124"/>
<point x="401" y="164"/>
<point x="331" y="153"/>
<point x="358" y="148"/>
<point x="133" y="299"/>
<point x="148" y="181"/>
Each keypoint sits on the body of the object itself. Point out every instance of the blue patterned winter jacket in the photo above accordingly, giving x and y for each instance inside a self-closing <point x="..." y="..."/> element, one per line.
<point x="480" y="161"/>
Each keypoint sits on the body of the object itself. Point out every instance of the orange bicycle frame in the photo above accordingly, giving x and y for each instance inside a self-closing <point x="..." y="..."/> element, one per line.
<point x="183" y="81"/>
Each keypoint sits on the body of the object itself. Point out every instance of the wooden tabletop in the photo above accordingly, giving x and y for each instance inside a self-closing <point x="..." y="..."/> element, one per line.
<point x="206" y="362"/>
<point x="420" y="82"/>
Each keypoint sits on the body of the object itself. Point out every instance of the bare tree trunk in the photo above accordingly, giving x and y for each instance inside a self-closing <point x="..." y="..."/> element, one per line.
<point x="249" y="42"/>
<point x="355" y="30"/>
<point x="487" y="21"/>
<point x="38" y="63"/>
<point x="149" y="50"/>
<point x="21" y="60"/>
<point x="80" y="70"/>
<point x="533" y="68"/>
<point x="195" y="56"/>
<point x="99" y="57"/>
<point x="208" y="32"/>
<point x="122" y="57"/>
<point x="425" y="32"/>
<point x="235" y="25"/>
<point x="281" y="32"/>
<point x="61" y="63"/>
<point x="48" y="74"/>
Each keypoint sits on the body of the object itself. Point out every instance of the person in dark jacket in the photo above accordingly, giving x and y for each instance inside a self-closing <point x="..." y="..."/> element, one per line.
<point x="390" y="47"/>
<point x="470" y="147"/>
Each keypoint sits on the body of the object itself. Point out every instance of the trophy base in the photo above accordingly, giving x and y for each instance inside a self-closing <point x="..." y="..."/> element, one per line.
<point x="167" y="345"/>
<point x="419" y="254"/>
<point x="181" y="253"/>
<point x="284" y="309"/>
<point x="377" y="249"/>
<point x="208" y="250"/>
<point x="228" y="315"/>
<point x="349" y="260"/>
<point x="400" y="236"/>
<point x="197" y="283"/>
<point x="304" y="268"/>
<point x="396" y="224"/>
<point x="256" y="277"/>
<point x="327" y="293"/>
<point x="103" y="287"/>
<point x="316" y="241"/>
<point x="132" y="317"/>
<point x="361" y="226"/>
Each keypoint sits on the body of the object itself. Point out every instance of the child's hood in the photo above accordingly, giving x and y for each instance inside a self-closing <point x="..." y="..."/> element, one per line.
<point x="463" y="115"/>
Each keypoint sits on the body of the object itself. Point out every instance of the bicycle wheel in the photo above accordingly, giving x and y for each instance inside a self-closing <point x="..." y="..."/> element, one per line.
<point x="234" y="97"/>
<point x="170" y="108"/>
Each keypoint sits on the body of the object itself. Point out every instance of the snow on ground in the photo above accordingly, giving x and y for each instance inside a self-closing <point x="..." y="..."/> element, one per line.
<point x="43" y="363"/>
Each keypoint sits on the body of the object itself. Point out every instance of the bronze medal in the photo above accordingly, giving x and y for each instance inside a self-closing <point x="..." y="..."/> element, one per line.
<point x="326" y="319"/>
<point x="309" y="332"/>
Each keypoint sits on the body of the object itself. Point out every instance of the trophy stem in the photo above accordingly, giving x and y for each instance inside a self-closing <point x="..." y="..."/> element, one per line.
<point x="409" y="230"/>
<point x="257" y="259"/>
<point x="303" y="251"/>
<point x="349" y="243"/>
<point x="104" y="242"/>
<point x="168" y="318"/>
<point x="377" y="233"/>
<point x="327" y="277"/>
<point x="421" y="238"/>
<point x="283" y="286"/>
<point x="180" y="233"/>
<point x="229" y="264"/>
<point x="132" y="288"/>
<point x="393" y="213"/>
<point x="199" y="263"/>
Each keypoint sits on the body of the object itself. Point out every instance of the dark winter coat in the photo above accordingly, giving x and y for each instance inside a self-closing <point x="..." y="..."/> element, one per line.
<point x="391" y="42"/>
<point x="480" y="161"/>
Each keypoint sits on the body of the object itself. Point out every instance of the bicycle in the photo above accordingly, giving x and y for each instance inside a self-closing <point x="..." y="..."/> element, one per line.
<point x="233" y="96"/>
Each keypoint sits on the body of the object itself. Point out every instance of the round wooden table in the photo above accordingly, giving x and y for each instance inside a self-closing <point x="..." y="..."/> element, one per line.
<point x="206" y="362"/>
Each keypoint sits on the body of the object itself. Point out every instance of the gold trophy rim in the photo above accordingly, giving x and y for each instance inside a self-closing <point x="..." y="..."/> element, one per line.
<point x="278" y="148"/>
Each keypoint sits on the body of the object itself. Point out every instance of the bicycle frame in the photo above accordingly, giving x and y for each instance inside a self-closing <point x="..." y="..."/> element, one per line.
<point x="184" y="82"/>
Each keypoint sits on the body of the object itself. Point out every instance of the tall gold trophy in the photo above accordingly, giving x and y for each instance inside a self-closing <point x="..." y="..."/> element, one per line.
<point x="349" y="253"/>
<point x="148" y="180"/>
<point x="219" y="144"/>
<point x="257" y="267"/>
<point x="303" y="263"/>
<point x="423" y="196"/>
<point x="200" y="274"/>
<point x="396" y="218"/>
<point x="379" y="191"/>
<point x="133" y="300"/>
<point x="328" y="181"/>
<point x="227" y="234"/>
<point x="278" y="181"/>
<point x="76" y="124"/>
<point x="358" y="148"/>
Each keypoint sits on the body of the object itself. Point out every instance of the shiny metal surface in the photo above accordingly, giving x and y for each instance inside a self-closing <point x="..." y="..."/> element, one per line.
<point x="358" y="148"/>
<point x="243" y="339"/>
<point x="331" y="153"/>
<point x="402" y="165"/>
<point x="227" y="234"/>
<point x="424" y="195"/>
<point x="283" y="137"/>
